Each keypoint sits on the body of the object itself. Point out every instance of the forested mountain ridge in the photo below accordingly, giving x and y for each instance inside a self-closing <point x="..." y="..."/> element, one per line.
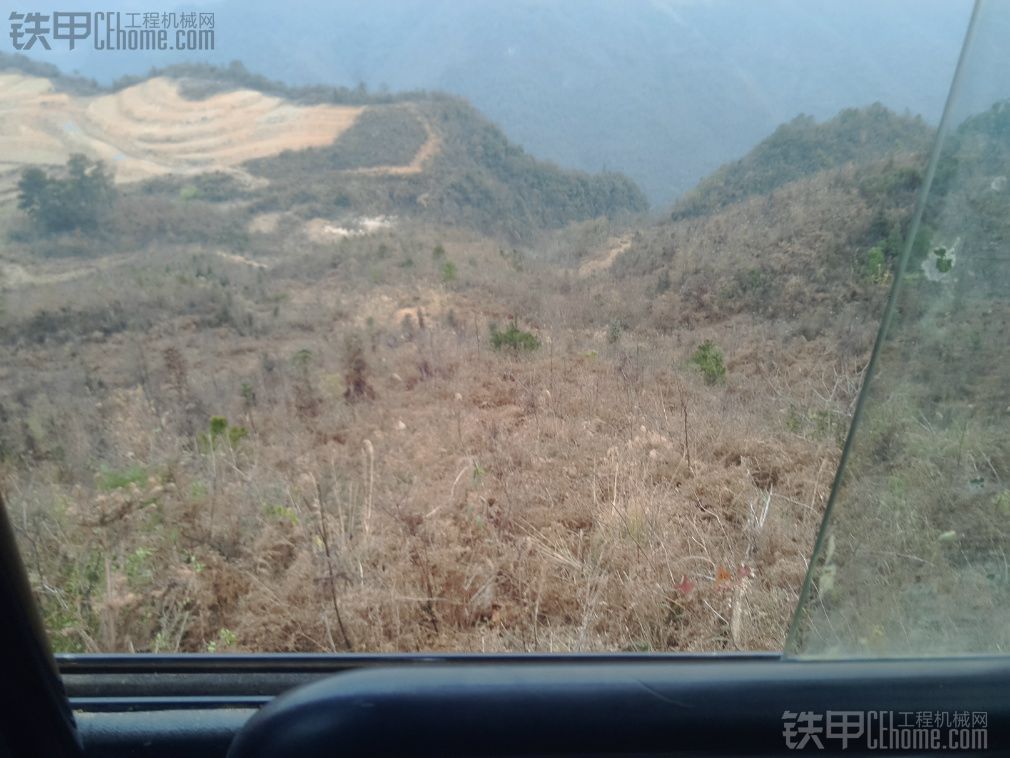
<point x="803" y="147"/>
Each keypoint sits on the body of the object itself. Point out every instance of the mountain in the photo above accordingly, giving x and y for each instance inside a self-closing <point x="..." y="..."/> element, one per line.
<point x="803" y="147"/>
<point x="662" y="90"/>
<point x="451" y="166"/>
<point x="312" y="151"/>
<point x="339" y="355"/>
<point x="804" y="229"/>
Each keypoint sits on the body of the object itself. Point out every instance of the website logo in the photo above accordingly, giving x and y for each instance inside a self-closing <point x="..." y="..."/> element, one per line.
<point x="111" y="31"/>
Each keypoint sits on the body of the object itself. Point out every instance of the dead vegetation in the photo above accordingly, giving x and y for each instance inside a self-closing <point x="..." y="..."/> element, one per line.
<point x="406" y="436"/>
<point x="329" y="478"/>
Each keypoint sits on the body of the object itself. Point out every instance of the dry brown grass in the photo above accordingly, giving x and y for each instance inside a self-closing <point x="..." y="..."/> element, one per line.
<point x="594" y="494"/>
<point x="480" y="501"/>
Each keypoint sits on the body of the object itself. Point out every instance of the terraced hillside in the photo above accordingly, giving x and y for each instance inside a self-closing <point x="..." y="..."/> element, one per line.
<point x="150" y="129"/>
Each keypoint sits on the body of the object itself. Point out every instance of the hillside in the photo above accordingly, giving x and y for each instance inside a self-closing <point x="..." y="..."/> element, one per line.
<point x="449" y="165"/>
<point x="978" y="156"/>
<point x="311" y="151"/>
<point x="945" y="359"/>
<point x="407" y="388"/>
<point x="803" y="230"/>
<point x="149" y="129"/>
<point x="803" y="147"/>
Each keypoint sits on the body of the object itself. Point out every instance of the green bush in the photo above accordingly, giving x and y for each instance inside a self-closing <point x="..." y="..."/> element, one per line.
<point x="513" y="338"/>
<point x="943" y="263"/>
<point x="708" y="358"/>
<point x="449" y="272"/>
<point x="220" y="429"/>
<point x="78" y="201"/>
<point x="876" y="265"/>
<point x="218" y="426"/>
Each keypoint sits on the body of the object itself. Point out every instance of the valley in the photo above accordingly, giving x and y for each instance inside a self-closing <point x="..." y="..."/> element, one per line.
<point x="338" y="374"/>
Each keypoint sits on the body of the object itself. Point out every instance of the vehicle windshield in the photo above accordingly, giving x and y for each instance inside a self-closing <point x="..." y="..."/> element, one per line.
<point x="518" y="326"/>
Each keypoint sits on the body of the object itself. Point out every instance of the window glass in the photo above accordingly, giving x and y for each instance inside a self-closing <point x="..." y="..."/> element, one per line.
<point x="912" y="558"/>
<point x="486" y="325"/>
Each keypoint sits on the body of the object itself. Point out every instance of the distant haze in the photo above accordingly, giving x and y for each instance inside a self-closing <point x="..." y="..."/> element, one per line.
<point x="662" y="90"/>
